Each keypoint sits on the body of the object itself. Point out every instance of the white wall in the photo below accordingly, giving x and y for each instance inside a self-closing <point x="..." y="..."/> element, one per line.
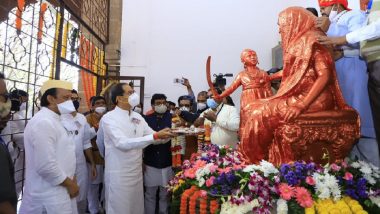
<point x="167" y="39"/>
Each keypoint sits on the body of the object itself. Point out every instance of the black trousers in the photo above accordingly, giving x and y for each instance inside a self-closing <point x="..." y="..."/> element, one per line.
<point x="374" y="95"/>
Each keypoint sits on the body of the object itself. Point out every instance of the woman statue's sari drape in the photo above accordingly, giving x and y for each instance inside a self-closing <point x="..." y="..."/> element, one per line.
<point x="304" y="59"/>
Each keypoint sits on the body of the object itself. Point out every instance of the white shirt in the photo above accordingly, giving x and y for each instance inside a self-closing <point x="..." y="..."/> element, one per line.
<point x="49" y="157"/>
<point x="342" y="24"/>
<point x="224" y="130"/>
<point x="81" y="134"/>
<point x="17" y="125"/>
<point x="125" y="135"/>
<point x="369" y="32"/>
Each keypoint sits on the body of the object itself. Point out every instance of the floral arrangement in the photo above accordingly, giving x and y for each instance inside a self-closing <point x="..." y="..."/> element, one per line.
<point x="216" y="180"/>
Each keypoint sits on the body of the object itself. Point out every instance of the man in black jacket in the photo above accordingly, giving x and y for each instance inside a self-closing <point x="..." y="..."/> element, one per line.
<point x="8" y="197"/>
<point x="157" y="158"/>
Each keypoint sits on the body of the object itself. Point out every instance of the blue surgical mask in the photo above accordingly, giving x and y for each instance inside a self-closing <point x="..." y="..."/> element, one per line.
<point x="212" y="103"/>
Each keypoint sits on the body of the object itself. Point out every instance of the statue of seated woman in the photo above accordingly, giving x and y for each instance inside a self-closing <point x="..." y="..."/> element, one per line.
<point x="255" y="84"/>
<point x="308" y="86"/>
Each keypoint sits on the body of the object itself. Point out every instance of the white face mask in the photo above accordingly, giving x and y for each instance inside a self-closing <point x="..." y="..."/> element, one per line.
<point x="100" y="110"/>
<point x="201" y="106"/>
<point x="66" y="107"/>
<point x="184" y="108"/>
<point x="171" y="112"/>
<point x="134" y="100"/>
<point x="23" y="106"/>
<point x="137" y="110"/>
<point x="333" y="14"/>
<point x="5" y="108"/>
<point x="160" y="108"/>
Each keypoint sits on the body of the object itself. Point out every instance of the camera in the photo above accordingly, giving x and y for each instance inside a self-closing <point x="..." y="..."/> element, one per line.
<point x="220" y="80"/>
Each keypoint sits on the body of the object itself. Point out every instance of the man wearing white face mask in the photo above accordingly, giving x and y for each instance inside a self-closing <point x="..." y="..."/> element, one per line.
<point x="224" y="120"/>
<point x="98" y="109"/>
<point x="81" y="133"/>
<point x="351" y="71"/>
<point x="157" y="158"/>
<point x="50" y="184"/>
<point x="125" y="135"/>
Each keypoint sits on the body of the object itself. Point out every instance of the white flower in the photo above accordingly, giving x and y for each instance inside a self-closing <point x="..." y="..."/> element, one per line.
<point x="268" y="168"/>
<point x="282" y="206"/>
<point x="355" y="165"/>
<point x="201" y="182"/>
<point x="370" y="179"/>
<point x="246" y="207"/>
<point x="327" y="186"/>
<point x="366" y="169"/>
<point x="375" y="200"/>
<point x="250" y="168"/>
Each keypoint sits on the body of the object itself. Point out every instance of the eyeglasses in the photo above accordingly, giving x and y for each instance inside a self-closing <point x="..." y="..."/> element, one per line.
<point x="5" y="96"/>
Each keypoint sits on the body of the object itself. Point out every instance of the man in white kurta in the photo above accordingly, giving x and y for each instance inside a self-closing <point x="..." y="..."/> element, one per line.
<point x="224" y="120"/>
<point x="125" y="135"/>
<point x="81" y="134"/>
<point x="50" y="186"/>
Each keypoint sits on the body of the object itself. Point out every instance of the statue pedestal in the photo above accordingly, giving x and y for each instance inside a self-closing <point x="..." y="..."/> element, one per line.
<point x="313" y="135"/>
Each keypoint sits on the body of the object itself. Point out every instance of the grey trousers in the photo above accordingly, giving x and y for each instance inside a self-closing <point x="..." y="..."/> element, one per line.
<point x="150" y="200"/>
<point x="374" y="95"/>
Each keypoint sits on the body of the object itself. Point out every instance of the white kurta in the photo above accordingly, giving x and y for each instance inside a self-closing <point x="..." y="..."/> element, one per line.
<point x="17" y="126"/>
<point x="50" y="159"/>
<point x="225" y="129"/>
<point x="81" y="135"/>
<point x="124" y="138"/>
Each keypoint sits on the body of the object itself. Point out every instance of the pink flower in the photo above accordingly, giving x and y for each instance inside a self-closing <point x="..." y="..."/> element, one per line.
<point x="225" y="170"/>
<point x="199" y="163"/>
<point x="236" y="167"/>
<point x="335" y="167"/>
<point x="348" y="176"/>
<point x="203" y="193"/>
<point x="344" y="164"/>
<point x="190" y="173"/>
<point x="210" y="181"/>
<point x="211" y="154"/>
<point x="310" y="180"/>
<point x="213" y="168"/>
<point x="286" y="191"/>
<point x="303" y="197"/>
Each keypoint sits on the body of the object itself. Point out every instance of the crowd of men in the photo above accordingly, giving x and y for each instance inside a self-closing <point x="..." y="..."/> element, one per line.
<point x="114" y="159"/>
<point x="120" y="159"/>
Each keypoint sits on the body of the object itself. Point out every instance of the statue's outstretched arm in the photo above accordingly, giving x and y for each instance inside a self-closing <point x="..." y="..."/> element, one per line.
<point x="228" y="91"/>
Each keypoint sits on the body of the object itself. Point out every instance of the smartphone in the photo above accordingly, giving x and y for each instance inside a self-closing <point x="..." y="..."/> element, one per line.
<point x="178" y="80"/>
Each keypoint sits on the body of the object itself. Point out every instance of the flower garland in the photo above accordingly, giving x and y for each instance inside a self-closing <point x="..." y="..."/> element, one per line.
<point x="43" y="9"/>
<point x="176" y="149"/>
<point x="20" y="9"/>
<point x="185" y="196"/>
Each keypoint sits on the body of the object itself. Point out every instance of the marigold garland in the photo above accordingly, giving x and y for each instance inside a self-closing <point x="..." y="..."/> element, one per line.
<point x="214" y="206"/>
<point x="20" y="9"/>
<point x="185" y="195"/>
<point x="193" y="202"/>
<point x="41" y="19"/>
